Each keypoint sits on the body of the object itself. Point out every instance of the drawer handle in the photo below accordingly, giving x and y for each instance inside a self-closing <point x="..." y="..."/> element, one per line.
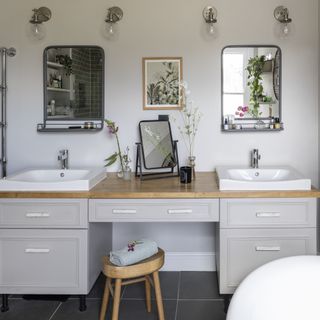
<point x="37" y="215"/>
<point x="124" y="211"/>
<point x="268" y="214"/>
<point x="179" y="211"/>
<point x="263" y="248"/>
<point x="33" y="250"/>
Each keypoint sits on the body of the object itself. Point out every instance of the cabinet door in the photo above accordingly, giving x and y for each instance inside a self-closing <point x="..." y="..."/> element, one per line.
<point x="243" y="250"/>
<point x="43" y="261"/>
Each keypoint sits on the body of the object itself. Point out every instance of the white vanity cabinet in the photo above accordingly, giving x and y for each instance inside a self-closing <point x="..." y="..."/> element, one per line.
<point x="252" y="232"/>
<point x="48" y="247"/>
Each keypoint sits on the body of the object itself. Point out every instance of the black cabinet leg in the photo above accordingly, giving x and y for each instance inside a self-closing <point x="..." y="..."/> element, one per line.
<point x="5" y="303"/>
<point x="82" y="300"/>
<point x="226" y="300"/>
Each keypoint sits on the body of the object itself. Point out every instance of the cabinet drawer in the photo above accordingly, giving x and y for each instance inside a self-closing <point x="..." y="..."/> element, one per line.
<point x="153" y="210"/>
<point x="242" y="251"/>
<point x="244" y="213"/>
<point x="38" y="261"/>
<point x="41" y="213"/>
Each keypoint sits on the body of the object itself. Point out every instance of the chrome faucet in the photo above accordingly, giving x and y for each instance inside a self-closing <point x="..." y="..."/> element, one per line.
<point x="255" y="157"/>
<point x="63" y="157"/>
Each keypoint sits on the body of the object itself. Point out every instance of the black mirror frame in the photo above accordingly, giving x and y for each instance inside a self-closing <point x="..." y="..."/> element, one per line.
<point x="162" y="172"/>
<point x="279" y="92"/>
<point x="71" y="124"/>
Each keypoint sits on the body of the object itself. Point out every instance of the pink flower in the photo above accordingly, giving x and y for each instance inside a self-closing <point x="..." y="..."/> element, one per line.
<point x="237" y="113"/>
<point x="239" y="108"/>
<point x="112" y="127"/>
<point x="241" y="114"/>
<point x="245" y="109"/>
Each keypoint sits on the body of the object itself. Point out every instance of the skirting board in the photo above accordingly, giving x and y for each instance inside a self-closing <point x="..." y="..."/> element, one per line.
<point x="189" y="261"/>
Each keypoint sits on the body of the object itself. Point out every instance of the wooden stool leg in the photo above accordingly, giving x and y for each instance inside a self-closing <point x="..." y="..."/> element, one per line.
<point x="158" y="295"/>
<point x="148" y="294"/>
<point x="116" y="299"/>
<point x="105" y="299"/>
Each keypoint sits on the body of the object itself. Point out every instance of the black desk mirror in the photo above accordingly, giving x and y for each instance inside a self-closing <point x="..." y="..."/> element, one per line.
<point x="73" y="88"/>
<point x="157" y="151"/>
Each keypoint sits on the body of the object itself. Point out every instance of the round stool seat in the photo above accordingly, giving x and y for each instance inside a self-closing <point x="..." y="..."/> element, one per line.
<point x="141" y="268"/>
<point x="284" y="289"/>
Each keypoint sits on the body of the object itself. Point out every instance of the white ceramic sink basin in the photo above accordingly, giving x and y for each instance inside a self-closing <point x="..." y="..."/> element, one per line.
<point x="267" y="178"/>
<point x="53" y="180"/>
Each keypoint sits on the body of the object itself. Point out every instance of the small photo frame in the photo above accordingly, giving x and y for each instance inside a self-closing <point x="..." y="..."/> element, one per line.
<point x="161" y="79"/>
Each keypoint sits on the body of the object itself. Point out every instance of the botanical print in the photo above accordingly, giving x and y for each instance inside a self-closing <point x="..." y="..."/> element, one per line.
<point x="161" y="78"/>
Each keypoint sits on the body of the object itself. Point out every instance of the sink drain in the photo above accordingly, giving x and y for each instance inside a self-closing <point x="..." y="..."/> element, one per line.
<point x="61" y="174"/>
<point x="257" y="174"/>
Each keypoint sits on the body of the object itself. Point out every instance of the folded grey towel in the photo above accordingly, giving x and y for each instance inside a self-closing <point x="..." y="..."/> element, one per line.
<point x="134" y="252"/>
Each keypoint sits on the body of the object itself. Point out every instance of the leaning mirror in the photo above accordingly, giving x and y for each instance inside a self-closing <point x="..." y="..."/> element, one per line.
<point x="73" y="88"/>
<point x="251" y="88"/>
<point x="157" y="151"/>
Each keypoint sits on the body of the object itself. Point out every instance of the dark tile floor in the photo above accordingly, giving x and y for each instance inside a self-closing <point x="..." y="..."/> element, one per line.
<point x="186" y="295"/>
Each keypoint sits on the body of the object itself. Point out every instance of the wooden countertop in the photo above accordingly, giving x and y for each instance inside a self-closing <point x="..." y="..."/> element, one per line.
<point x="204" y="186"/>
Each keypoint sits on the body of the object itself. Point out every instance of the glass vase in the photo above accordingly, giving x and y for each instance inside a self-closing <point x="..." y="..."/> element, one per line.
<point x="259" y="124"/>
<point x="120" y="174"/>
<point x="192" y="164"/>
<point x="127" y="174"/>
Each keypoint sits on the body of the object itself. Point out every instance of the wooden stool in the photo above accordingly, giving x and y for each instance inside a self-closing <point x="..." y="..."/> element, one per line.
<point x="140" y="272"/>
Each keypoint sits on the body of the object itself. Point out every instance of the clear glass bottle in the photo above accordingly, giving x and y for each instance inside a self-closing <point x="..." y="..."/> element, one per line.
<point x="192" y="164"/>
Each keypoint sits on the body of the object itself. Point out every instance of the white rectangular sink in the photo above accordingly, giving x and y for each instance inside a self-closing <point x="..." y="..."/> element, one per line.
<point x="267" y="178"/>
<point x="53" y="180"/>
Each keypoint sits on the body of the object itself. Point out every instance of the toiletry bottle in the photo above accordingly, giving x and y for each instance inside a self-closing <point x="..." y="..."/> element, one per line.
<point x="277" y="124"/>
<point x="52" y="106"/>
<point x="60" y="80"/>
<point x="225" y="124"/>
<point x="271" y="125"/>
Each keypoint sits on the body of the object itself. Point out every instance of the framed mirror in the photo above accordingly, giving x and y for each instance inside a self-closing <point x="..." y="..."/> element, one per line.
<point x="251" y="88"/>
<point x="157" y="151"/>
<point x="73" y="88"/>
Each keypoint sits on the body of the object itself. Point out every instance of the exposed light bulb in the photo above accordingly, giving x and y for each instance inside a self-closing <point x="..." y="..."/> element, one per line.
<point x="38" y="30"/>
<point x="211" y="29"/>
<point x="285" y="29"/>
<point x="112" y="30"/>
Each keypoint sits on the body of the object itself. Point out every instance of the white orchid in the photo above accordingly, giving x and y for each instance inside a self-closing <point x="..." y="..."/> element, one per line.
<point x="191" y="117"/>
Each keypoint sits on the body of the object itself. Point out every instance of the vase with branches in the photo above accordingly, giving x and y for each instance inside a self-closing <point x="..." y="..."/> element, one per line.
<point x="190" y="116"/>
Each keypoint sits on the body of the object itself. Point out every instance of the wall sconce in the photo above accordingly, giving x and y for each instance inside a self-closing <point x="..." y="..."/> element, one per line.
<point x="281" y="14"/>
<point x="210" y="17"/>
<point x="39" y="16"/>
<point x="114" y="15"/>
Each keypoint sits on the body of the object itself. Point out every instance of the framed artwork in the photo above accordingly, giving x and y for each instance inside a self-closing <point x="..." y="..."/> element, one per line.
<point x="161" y="79"/>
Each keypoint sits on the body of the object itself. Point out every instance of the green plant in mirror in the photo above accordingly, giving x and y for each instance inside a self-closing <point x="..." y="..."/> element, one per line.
<point x="66" y="61"/>
<point x="255" y="69"/>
